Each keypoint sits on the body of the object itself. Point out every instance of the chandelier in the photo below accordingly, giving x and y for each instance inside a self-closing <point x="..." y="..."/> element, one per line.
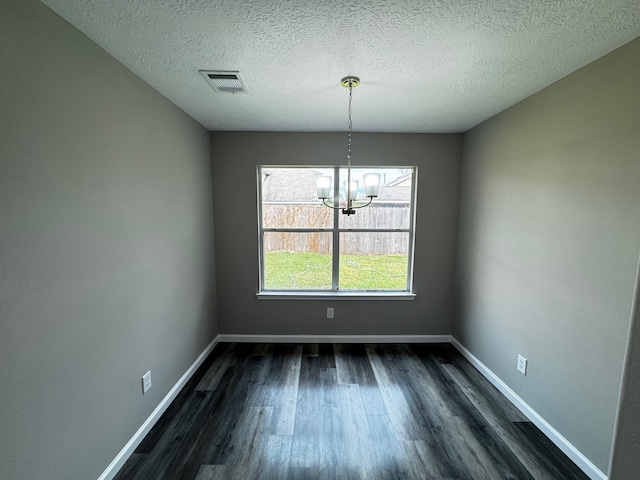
<point x="371" y="180"/>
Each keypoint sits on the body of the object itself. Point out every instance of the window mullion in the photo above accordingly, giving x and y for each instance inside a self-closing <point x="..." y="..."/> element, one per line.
<point x="374" y="230"/>
<point x="412" y="226"/>
<point x="335" y="274"/>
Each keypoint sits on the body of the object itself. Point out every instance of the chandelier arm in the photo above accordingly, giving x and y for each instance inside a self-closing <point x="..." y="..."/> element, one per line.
<point x="365" y="205"/>
<point x="324" y="202"/>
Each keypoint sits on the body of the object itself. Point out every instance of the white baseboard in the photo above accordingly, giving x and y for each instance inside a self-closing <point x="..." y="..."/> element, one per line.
<point x="562" y="443"/>
<point x="146" y="427"/>
<point x="335" y="338"/>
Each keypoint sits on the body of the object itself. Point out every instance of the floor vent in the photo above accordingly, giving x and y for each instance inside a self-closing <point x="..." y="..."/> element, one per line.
<point x="225" y="81"/>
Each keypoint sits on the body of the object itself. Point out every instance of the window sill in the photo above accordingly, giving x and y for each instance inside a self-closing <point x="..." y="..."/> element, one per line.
<point x="335" y="296"/>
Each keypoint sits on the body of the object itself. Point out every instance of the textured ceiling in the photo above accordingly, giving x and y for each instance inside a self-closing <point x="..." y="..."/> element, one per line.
<point x="425" y="65"/>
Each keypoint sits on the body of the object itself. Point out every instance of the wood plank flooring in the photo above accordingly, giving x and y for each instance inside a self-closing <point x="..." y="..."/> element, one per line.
<point x="343" y="411"/>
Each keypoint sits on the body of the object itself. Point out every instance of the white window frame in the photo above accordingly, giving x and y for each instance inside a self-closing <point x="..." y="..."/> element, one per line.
<point x="335" y="292"/>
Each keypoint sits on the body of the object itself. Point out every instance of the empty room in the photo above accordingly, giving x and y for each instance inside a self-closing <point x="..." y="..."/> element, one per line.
<point x="319" y="240"/>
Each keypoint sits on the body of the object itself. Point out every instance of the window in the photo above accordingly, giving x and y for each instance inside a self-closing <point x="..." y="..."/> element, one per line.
<point x="307" y="247"/>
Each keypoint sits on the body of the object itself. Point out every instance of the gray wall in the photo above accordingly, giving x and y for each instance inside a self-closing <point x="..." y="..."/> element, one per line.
<point x="548" y="244"/>
<point x="235" y="157"/>
<point x="106" y="241"/>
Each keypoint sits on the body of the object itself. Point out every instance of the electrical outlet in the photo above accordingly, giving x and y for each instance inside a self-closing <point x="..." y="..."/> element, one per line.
<point x="146" y="382"/>
<point x="329" y="312"/>
<point x="522" y="365"/>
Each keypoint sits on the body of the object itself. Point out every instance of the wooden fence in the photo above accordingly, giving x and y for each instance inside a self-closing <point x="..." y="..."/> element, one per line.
<point x="317" y="216"/>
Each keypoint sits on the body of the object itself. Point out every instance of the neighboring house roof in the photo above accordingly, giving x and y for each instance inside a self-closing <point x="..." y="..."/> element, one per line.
<point x="398" y="190"/>
<point x="285" y="185"/>
<point x="403" y="181"/>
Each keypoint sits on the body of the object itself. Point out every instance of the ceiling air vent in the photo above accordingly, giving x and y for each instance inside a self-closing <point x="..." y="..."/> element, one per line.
<point x="225" y="81"/>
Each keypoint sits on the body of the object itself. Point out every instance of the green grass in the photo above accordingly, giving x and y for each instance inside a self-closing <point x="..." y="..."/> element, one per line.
<point x="286" y="270"/>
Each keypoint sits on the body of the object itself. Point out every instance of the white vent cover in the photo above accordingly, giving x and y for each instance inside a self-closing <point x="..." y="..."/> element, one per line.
<point x="225" y="81"/>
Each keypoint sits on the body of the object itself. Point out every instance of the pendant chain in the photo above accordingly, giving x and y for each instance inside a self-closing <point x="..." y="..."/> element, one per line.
<point x="350" y="127"/>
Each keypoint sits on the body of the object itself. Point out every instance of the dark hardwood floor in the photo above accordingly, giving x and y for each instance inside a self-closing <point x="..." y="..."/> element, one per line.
<point x="343" y="411"/>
